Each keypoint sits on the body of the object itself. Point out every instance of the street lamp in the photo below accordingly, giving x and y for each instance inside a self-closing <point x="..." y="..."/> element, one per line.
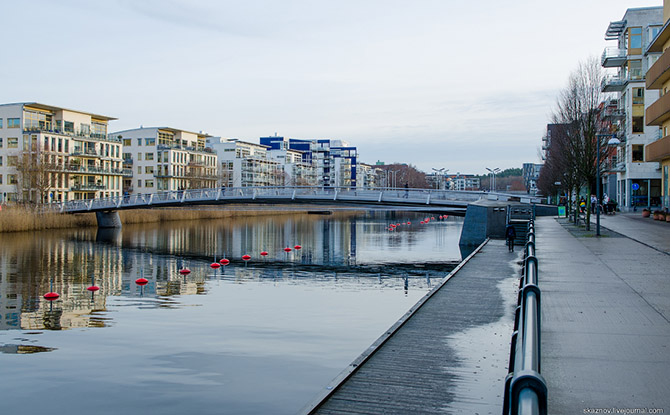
<point x="612" y="142"/>
<point x="493" y="172"/>
<point x="438" y="173"/>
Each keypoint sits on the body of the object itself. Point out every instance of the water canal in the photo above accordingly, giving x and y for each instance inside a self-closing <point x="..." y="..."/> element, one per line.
<point x="248" y="338"/>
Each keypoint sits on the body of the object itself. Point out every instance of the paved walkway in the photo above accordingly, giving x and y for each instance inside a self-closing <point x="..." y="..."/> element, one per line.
<point x="648" y="231"/>
<point x="450" y="356"/>
<point x="605" y="315"/>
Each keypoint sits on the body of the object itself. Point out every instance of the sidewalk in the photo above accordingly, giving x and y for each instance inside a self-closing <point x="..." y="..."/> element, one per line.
<point x="648" y="231"/>
<point x="605" y="315"/>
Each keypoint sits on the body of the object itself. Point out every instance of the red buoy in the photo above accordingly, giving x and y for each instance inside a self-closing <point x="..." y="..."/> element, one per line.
<point x="297" y="247"/>
<point x="398" y="224"/>
<point x="422" y="222"/>
<point x="215" y="265"/>
<point x="93" y="288"/>
<point x="392" y="225"/>
<point x="224" y="261"/>
<point x="184" y="271"/>
<point x="264" y="253"/>
<point x="432" y="218"/>
<point x="287" y="249"/>
<point x="409" y="223"/>
<point x="141" y="281"/>
<point x="51" y="296"/>
<point x="246" y="257"/>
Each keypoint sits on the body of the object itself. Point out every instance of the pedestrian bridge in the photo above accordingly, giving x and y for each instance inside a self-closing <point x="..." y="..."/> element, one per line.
<point x="453" y="201"/>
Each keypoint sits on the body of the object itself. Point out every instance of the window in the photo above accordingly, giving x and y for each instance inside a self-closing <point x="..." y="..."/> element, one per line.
<point x="0" y="161"/>
<point x="635" y="69"/>
<point x="149" y="170"/>
<point x="12" y="142"/>
<point x="128" y="157"/>
<point x="634" y="40"/>
<point x="638" y="153"/>
<point x="0" y="122"/>
<point x="11" y="178"/>
<point x="148" y="183"/>
<point x="149" y="142"/>
<point x="139" y="169"/>
<point x="0" y="178"/>
<point x="127" y="142"/>
<point x="68" y="126"/>
<point x="149" y="156"/>
<point x="13" y="122"/>
<point x="139" y="183"/>
<point x="139" y="156"/>
<point x="139" y="141"/>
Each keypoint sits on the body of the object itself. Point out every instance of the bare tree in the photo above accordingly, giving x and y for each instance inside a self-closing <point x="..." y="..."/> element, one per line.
<point x="406" y="174"/>
<point x="35" y="175"/>
<point x="579" y="109"/>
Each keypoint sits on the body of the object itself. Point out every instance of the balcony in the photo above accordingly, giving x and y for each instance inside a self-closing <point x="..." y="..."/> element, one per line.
<point x="658" y="150"/>
<point x="613" y="57"/>
<point x="659" y="73"/>
<point x="77" y="134"/>
<point x="613" y="83"/>
<point x="88" y="187"/>
<point x="659" y="112"/>
<point x="79" y="152"/>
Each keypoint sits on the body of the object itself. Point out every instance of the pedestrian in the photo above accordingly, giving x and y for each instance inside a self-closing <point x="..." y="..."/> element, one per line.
<point x="510" y="236"/>
<point x="594" y="203"/>
<point x="406" y="190"/>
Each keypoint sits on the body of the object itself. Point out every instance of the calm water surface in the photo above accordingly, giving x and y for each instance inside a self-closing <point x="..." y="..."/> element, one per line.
<point x="257" y="338"/>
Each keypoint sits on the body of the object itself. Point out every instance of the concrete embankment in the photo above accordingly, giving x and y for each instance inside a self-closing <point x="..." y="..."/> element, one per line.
<point x="449" y="354"/>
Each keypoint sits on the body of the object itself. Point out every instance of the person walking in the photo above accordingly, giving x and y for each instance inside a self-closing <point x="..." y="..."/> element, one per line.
<point x="510" y="236"/>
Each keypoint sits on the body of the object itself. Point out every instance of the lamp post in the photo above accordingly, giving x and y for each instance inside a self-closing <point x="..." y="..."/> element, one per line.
<point x="493" y="172"/>
<point x="438" y="173"/>
<point x="612" y="142"/>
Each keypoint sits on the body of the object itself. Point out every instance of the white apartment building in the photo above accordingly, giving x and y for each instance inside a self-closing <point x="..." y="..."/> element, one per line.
<point x="368" y="176"/>
<point x="244" y="164"/>
<point x="54" y="154"/>
<point x="166" y="159"/>
<point x="296" y="171"/>
<point x="463" y="182"/>
<point x="638" y="182"/>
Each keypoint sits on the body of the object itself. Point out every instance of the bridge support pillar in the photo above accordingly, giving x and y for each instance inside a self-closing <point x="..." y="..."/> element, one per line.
<point x="108" y="219"/>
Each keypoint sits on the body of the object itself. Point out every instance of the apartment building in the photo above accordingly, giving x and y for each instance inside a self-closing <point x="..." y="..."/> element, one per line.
<point x="335" y="161"/>
<point x="530" y="173"/>
<point x="638" y="179"/>
<point x="54" y="154"/>
<point x="658" y="113"/>
<point x="244" y="164"/>
<point x="368" y="176"/>
<point x="166" y="159"/>
<point x="463" y="182"/>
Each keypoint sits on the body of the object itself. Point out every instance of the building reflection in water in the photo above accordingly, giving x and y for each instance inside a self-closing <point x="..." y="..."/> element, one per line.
<point x="72" y="259"/>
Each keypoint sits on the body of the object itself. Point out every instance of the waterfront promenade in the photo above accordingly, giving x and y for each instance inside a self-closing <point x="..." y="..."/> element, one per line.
<point x="605" y="315"/>
<point x="451" y="356"/>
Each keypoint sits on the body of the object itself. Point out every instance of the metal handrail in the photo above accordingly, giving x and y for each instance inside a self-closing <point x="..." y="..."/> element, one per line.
<point x="525" y="388"/>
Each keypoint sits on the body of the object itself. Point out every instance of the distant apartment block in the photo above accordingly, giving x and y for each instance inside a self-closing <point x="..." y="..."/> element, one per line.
<point x="531" y="172"/>
<point x="638" y="179"/>
<point x="334" y="161"/>
<point x="244" y="164"/>
<point x="54" y="154"/>
<point x="368" y="176"/>
<point x="161" y="159"/>
<point x="463" y="182"/>
<point x="658" y="113"/>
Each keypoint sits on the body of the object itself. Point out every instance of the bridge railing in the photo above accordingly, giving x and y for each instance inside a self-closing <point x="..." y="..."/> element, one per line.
<point x="525" y="388"/>
<point x="427" y="196"/>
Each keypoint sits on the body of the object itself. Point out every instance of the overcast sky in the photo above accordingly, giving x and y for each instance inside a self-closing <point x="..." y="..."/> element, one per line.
<point x="460" y="85"/>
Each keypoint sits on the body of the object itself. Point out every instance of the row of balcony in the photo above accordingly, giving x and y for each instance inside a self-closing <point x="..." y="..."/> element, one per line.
<point x="80" y="168"/>
<point x="75" y="134"/>
<point x="206" y="150"/>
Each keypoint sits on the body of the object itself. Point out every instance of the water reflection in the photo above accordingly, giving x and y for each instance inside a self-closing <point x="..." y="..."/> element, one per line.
<point x="296" y="319"/>
<point x="69" y="261"/>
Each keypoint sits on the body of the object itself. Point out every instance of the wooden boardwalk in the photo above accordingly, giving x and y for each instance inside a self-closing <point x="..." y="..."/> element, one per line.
<point x="449" y="354"/>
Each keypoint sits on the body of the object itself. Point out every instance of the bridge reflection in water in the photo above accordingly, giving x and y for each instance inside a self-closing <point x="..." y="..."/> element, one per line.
<point x="114" y="258"/>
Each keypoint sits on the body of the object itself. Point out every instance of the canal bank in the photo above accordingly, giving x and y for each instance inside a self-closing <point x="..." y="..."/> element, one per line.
<point x="605" y="317"/>
<point x="449" y="354"/>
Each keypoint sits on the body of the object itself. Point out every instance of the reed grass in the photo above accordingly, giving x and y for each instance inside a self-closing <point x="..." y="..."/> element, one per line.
<point x="21" y="219"/>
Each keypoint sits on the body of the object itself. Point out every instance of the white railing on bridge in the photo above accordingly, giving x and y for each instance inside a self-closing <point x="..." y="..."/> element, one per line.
<point x="399" y="196"/>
